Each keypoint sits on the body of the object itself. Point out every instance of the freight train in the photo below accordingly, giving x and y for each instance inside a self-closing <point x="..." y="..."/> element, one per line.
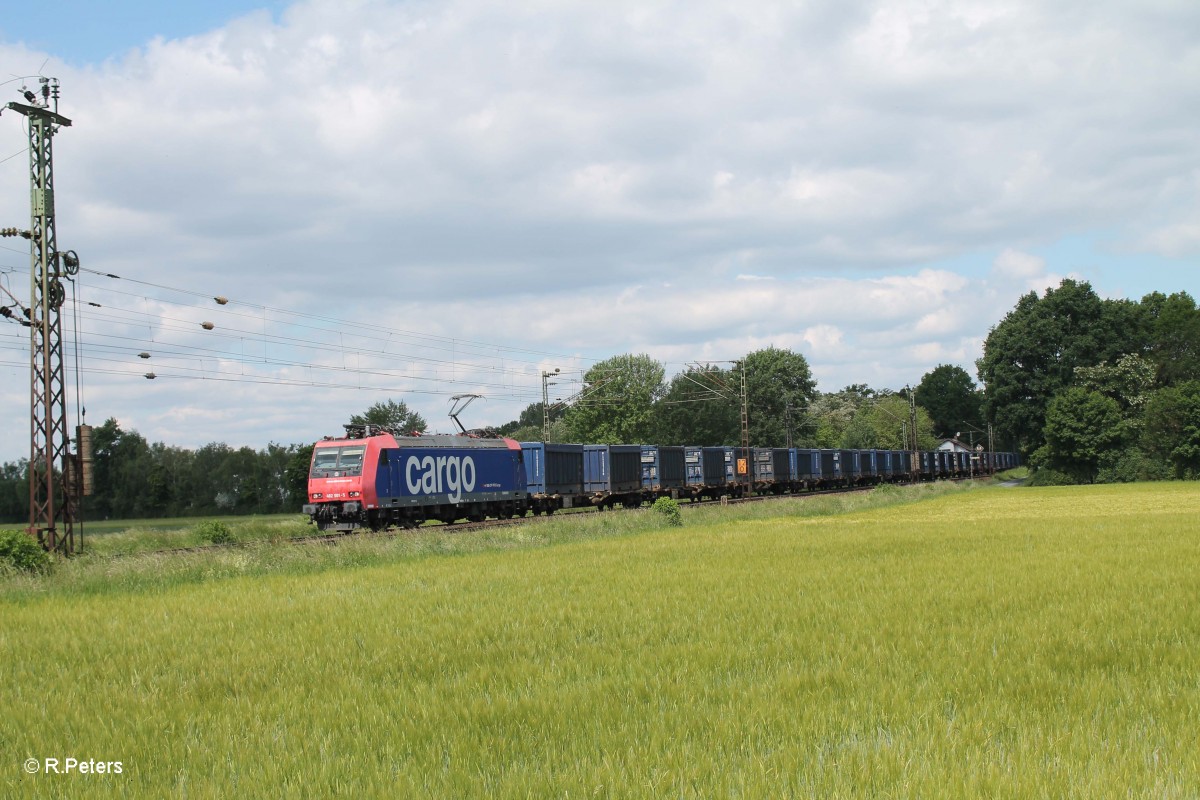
<point x="376" y="479"/>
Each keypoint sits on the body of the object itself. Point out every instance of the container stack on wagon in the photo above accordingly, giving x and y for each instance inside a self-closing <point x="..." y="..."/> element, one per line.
<point x="612" y="474"/>
<point x="705" y="470"/>
<point x="664" y="472"/>
<point x="554" y="475"/>
<point x="772" y="469"/>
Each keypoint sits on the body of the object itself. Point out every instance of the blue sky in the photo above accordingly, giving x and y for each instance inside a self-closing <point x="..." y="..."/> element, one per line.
<point x="92" y="32"/>
<point x="416" y="199"/>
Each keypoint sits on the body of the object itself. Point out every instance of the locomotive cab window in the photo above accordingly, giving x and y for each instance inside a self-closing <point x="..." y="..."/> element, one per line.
<point x="325" y="458"/>
<point x="351" y="458"/>
<point x="338" y="461"/>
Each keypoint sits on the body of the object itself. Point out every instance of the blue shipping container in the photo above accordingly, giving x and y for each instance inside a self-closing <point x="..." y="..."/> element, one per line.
<point x="705" y="466"/>
<point x="612" y="468"/>
<point x="663" y="467"/>
<point x="553" y="468"/>
<point x="806" y="464"/>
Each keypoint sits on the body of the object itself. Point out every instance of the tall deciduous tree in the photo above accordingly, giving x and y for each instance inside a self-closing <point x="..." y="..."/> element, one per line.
<point x="700" y="407"/>
<point x="951" y="398"/>
<point x="828" y="418"/>
<point x="392" y="414"/>
<point x="779" y="387"/>
<point x="1031" y="355"/>
<point x="1174" y="323"/>
<point x="616" y="406"/>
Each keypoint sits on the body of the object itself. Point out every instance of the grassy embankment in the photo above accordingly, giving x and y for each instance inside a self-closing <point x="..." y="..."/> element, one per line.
<point x="1015" y="643"/>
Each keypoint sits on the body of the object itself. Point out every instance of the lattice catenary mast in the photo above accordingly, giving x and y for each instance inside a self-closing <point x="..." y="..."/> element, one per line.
<point x="56" y="475"/>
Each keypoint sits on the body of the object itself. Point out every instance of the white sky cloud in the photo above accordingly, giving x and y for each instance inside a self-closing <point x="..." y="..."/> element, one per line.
<point x="565" y="182"/>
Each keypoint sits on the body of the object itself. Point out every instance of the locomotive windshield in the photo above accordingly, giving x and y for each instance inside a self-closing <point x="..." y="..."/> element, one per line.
<point x="338" y="461"/>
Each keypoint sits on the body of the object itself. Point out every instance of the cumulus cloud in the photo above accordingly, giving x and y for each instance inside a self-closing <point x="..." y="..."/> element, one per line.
<point x="565" y="182"/>
<point x="1014" y="265"/>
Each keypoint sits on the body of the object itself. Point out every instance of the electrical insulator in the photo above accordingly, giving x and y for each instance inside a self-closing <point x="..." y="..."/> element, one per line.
<point x="221" y="300"/>
<point x="150" y="376"/>
<point x="83" y="435"/>
<point x="143" y="355"/>
<point x="208" y="326"/>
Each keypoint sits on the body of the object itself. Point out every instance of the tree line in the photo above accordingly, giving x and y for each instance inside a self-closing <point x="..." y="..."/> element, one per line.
<point x="628" y="399"/>
<point x="1084" y="388"/>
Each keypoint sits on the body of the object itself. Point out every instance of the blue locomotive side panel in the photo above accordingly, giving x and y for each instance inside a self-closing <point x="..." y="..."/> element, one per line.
<point x="449" y="475"/>
<point x="553" y="468"/>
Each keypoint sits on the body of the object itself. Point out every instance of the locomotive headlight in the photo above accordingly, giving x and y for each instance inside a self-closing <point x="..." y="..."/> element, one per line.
<point x="356" y="494"/>
<point x="317" y="496"/>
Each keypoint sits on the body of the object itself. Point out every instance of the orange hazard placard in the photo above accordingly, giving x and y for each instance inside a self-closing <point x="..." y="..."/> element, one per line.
<point x="742" y="466"/>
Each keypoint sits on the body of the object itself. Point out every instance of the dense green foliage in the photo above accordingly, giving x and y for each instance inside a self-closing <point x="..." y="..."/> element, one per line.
<point x="860" y="417"/>
<point x="1032" y="354"/>
<point x="700" y="407"/>
<point x="669" y="509"/>
<point x="20" y="552"/>
<point x="393" y="415"/>
<point x="627" y="400"/>
<point x="1171" y="432"/>
<point x="1081" y="426"/>
<point x="952" y="400"/>
<point x="617" y="403"/>
<point x="136" y="479"/>
<point x="779" y="388"/>
<point x="214" y="531"/>
<point x="1097" y="390"/>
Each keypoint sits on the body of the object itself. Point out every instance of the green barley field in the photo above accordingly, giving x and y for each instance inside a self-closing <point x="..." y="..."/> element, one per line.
<point x="980" y="642"/>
